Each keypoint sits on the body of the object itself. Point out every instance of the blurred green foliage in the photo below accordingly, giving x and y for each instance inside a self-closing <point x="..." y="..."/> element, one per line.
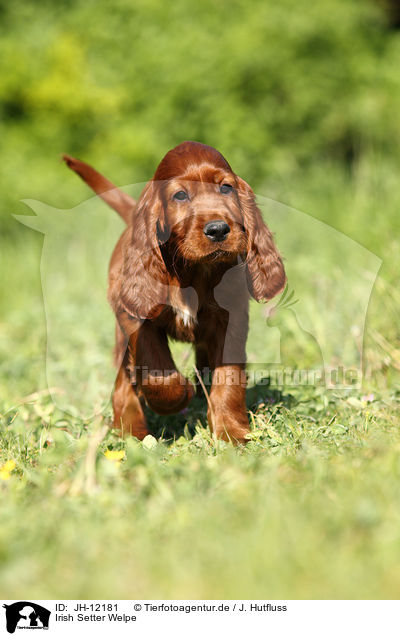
<point x="277" y="87"/>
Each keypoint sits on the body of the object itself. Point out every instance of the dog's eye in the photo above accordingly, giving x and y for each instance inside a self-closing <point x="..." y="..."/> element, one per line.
<point x="226" y="188"/>
<point x="181" y="195"/>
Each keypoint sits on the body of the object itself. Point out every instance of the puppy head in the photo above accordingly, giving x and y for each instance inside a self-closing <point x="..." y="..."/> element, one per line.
<point x="197" y="209"/>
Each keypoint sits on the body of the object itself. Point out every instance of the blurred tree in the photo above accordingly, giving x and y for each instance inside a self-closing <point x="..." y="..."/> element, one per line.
<point x="277" y="87"/>
<point x="392" y="8"/>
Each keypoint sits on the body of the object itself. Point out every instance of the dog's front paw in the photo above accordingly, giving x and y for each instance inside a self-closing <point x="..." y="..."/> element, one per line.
<point x="168" y="394"/>
<point x="229" y="427"/>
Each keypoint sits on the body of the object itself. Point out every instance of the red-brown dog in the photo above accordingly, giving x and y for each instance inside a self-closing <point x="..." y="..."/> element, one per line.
<point x="194" y="247"/>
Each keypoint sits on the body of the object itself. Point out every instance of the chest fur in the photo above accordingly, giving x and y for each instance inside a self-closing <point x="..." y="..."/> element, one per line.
<point x="182" y="313"/>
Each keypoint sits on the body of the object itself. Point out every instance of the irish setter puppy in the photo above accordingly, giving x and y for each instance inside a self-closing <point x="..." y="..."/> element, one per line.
<point x="195" y="249"/>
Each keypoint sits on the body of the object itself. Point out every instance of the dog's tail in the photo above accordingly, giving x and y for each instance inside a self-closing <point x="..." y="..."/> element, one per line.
<point x="113" y="196"/>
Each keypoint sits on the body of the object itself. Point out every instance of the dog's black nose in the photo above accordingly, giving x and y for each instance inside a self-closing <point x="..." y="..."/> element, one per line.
<point x="216" y="231"/>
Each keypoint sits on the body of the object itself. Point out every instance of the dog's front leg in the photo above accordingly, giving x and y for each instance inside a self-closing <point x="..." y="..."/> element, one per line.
<point x="227" y="414"/>
<point x="226" y="347"/>
<point x="129" y="417"/>
<point x="128" y="413"/>
<point x="165" y="389"/>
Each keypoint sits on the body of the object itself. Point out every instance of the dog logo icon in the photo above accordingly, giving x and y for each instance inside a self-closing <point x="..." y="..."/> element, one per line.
<point x="26" y="615"/>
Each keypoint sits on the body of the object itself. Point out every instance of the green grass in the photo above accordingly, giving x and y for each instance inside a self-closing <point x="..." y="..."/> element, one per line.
<point x="309" y="509"/>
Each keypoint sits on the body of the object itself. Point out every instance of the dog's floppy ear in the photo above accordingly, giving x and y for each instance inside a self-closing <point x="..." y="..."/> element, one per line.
<point x="265" y="272"/>
<point x="145" y="280"/>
